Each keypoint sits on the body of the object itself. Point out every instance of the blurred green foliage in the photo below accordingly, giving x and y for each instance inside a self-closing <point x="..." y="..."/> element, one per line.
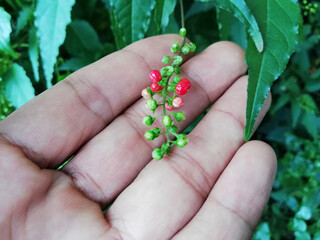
<point x="291" y="127"/>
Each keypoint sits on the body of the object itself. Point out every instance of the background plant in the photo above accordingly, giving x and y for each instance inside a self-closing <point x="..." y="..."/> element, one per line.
<point x="33" y="57"/>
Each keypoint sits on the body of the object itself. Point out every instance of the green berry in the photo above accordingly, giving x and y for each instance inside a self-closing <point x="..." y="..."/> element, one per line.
<point x="182" y="140"/>
<point x="179" y="116"/>
<point x="166" y="148"/>
<point x="175" y="47"/>
<point x="176" y="79"/>
<point x="157" y="154"/>
<point x="192" y="47"/>
<point x="178" y="60"/>
<point x="173" y="129"/>
<point x="172" y="87"/>
<point x="183" y="32"/>
<point x="152" y="104"/>
<point x="149" y="135"/>
<point x="170" y="70"/>
<point x="156" y="132"/>
<point x="167" y="121"/>
<point x="177" y="70"/>
<point x="185" y="50"/>
<point x="166" y="60"/>
<point x="148" y="120"/>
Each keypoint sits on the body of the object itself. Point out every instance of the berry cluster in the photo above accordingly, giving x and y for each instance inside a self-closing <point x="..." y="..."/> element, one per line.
<point x="166" y="90"/>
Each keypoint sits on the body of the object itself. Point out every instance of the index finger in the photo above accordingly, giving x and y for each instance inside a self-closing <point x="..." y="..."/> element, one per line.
<point x="55" y="124"/>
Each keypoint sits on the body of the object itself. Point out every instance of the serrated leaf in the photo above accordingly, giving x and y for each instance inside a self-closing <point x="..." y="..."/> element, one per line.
<point x="163" y="10"/>
<point x="18" y="87"/>
<point x="33" y="51"/>
<point x="5" y="31"/>
<point x="278" y="21"/>
<point x="130" y="19"/>
<point x="51" y="19"/>
<point x="24" y="16"/>
<point x="241" y="11"/>
<point x="77" y="44"/>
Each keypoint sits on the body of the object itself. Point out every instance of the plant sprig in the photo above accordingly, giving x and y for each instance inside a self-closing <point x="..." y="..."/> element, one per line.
<point x="167" y="84"/>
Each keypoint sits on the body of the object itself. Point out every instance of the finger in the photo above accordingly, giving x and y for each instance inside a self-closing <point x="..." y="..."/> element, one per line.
<point x="234" y="206"/>
<point x="119" y="152"/>
<point x="168" y="193"/>
<point x="57" y="122"/>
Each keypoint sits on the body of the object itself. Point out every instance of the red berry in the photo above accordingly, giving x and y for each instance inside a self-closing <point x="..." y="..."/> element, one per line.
<point x="155" y="76"/>
<point x="169" y="108"/>
<point x="181" y="88"/>
<point x="177" y="102"/>
<point x="155" y="87"/>
<point x="186" y="82"/>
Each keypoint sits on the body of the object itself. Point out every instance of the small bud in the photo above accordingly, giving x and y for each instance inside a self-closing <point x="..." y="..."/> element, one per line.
<point x="175" y="47"/>
<point x="163" y="71"/>
<point x="145" y="94"/>
<point x="148" y="120"/>
<point x="149" y="135"/>
<point x="183" y="32"/>
<point x="185" y="50"/>
<point x="166" y="148"/>
<point x="179" y="116"/>
<point x="182" y="140"/>
<point x="170" y="70"/>
<point x="156" y="132"/>
<point x="167" y="121"/>
<point x="171" y="87"/>
<point x="152" y="104"/>
<point x="177" y="102"/>
<point x="166" y="60"/>
<point x="157" y="154"/>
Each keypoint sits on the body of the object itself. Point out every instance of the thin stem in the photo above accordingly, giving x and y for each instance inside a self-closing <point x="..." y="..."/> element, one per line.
<point x="182" y="13"/>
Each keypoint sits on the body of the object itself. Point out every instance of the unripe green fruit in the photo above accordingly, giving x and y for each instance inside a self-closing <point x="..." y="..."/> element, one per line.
<point x="177" y="70"/>
<point x="148" y="120"/>
<point x="182" y="140"/>
<point x="149" y="135"/>
<point x="166" y="60"/>
<point x="167" y="121"/>
<point x="173" y="129"/>
<point x="157" y="154"/>
<point x="176" y="79"/>
<point x="156" y="132"/>
<point x="152" y="104"/>
<point x="178" y="60"/>
<point x="192" y="47"/>
<point x="171" y="88"/>
<point x="185" y="50"/>
<point x="183" y="32"/>
<point x="179" y="116"/>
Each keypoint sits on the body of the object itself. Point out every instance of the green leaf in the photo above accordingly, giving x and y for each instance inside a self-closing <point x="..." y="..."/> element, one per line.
<point x="279" y="22"/>
<point x="5" y="31"/>
<point x="240" y="10"/>
<point x="263" y="232"/>
<point x="77" y="44"/>
<point x="309" y="121"/>
<point x="163" y="10"/>
<point x="302" y="235"/>
<point x="304" y="213"/>
<point x="18" y="87"/>
<point x="34" y="52"/>
<point x="51" y="19"/>
<point x="224" y="19"/>
<point x="24" y="16"/>
<point x="130" y="19"/>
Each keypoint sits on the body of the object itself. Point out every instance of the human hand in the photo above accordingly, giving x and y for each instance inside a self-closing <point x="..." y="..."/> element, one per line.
<point x="214" y="188"/>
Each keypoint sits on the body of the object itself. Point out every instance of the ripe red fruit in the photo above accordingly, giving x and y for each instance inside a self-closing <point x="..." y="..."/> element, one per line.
<point x="155" y="76"/>
<point x="181" y="88"/>
<point x="177" y="102"/>
<point x="186" y="82"/>
<point x="169" y="108"/>
<point x="155" y="87"/>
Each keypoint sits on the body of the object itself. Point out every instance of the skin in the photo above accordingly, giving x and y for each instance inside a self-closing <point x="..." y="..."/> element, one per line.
<point x="214" y="188"/>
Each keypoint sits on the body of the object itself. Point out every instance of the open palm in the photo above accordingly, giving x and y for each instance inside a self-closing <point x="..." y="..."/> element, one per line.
<point x="214" y="188"/>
